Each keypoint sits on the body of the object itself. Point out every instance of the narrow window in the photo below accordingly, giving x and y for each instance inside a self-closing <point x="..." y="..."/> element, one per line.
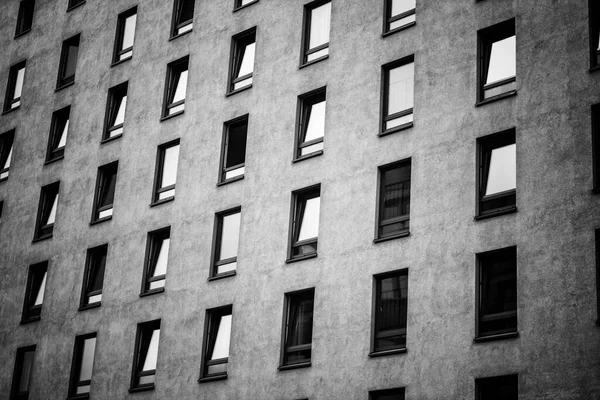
<point x="1" y="207"/>
<point x="304" y="223"/>
<point x="597" y="242"/>
<point x="125" y="35"/>
<point x="68" y="62"/>
<point x="157" y="256"/>
<point x="497" y="174"/>
<point x="297" y="329"/>
<point x="34" y="293"/>
<point x="504" y="387"/>
<point x="183" y="17"/>
<point x="243" y="46"/>
<point x="237" y="4"/>
<point x="176" y="84"/>
<point x="6" y="149"/>
<point x="217" y="334"/>
<point x="398" y="14"/>
<point x="227" y="234"/>
<point x="105" y="192"/>
<point x="93" y="277"/>
<point x="23" y="373"/>
<point x="59" y="129"/>
<point x="25" y="18"/>
<point x="14" y="87"/>
<point x="311" y="124"/>
<point x="387" y="394"/>
<point x="497" y="61"/>
<point x="315" y="39"/>
<point x="596" y="146"/>
<point x="594" y="13"/>
<point x="497" y="293"/>
<point x="233" y="154"/>
<point x="166" y="172"/>
<point x="74" y="3"/>
<point x="394" y="200"/>
<point x="82" y="365"/>
<point x="143" y="373"/>
<point x="115" y="111"/>
<point x="390" y="308"/>
<point x="46" y="216"/>
<point x="398" y="81"/>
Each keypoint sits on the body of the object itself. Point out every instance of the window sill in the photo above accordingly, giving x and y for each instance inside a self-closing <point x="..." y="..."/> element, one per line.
<point x="245" y="5"/>
<point x="79" y="396"/>
<point x="501" y="336"/>
<point x="111" y="138"/>
<point x="151" y="292"/>
<point x="141" y="388"/>
<point x="307" y="156"/>
<point x="221" y="276"/>
<point x="10" y="110"/>
<point x="396" y="129"/>
<point x="594" y="69"/>
<point x="325" y="57"/>
<point x="40" y="238"/>
<point x="97" y="221"/>
<point x="212" y="378"/>
<point x="236" y="91"/>
<point x="163" y="201"/>
<point x="391" y="237"/>
<point x="301" y="258"/>
<point x="401" y="28"/>
<point x="90" y="306"/>
<point x="75" y="6"/>
<point x="30" y="319"/>
<point x="66" y="85"/>
<point x="22" y="33"/>
<point x="294" y="366"/>
<point x="496" y="213"/>
<point x="181" y="34"/>
<point x="496" y="98"/>
<point x="387" y="352"/>
<point x="115" y="63"/>
<point x="172" y="115"/>
<point x="230" y="180"/>
<point x="48" y="162"/>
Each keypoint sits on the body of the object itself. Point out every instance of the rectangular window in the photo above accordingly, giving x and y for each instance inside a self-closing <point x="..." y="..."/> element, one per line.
<point x="25" y="18"/>
<point x="125" y="35"/>
<point x="237" y="4"/>
<point x="297" y="329"/>
<point x="46" y="216"/>
<point x="34" y="293"/>
<point x="183" y="17"/>
<point x="105" y="192"/>
<point x="394" y="200"/>
<point x="14" y="87"/>
<point x="166" y="172"/>
<point x="217" y="335"/>
<point x="497" y="293"/>
<point x="387" y="394"/>
<point x="226" y="239"/>
<point x="143" y="373"/>
<point x="398" y="14"/>
<point x="115" y="111"/>
<point x="304" y="223"/>
<point x="596" y="146"/>
<point x="310" y="126"/>
<point x="6" y="149"/>
<point x="82" y="365"/>
<point x="233" y="153"/>
<point x="594" y="13"/>
<point x="504" y="387"/>
<point x="597" y="242"/>
<point x="390" y="309"/>
<point x="74" y="3"/>
<point x="157" y="257"/>
<point x="93" y="277"/>
<point x="176" y="85"/>
<point x="68" y="62"/>
<point x="23" y="373"/>
<point x="497" y="61"/>
<point x="497" y="174"/>
<point x="315" y="39"/>
<point x="59" y="129"/>
<point x="398" y="84"/>
<point x="1" y="207"/>
<point x="241" y="68"/>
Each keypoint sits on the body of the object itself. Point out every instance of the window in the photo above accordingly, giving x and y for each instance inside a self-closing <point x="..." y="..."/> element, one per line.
<point x="237" y="4"/>
<point x="304" y="223"/>
<point x="82" y="365"/>
<point x="183" y="17"/>
<point x="125" y="35"/>
<point x="310" y="127"/>
<point x="58" y="134"/>
<point x="23" y="373"/>
<point x="594" y="33"/>
<point x="497" y="61"/>
<point x="68" y="62"/>
<point x="397" y="95"/>
<point x="115" y="112"/>
<point x="504" y="387"/>
<point x="6" y="149"/>
<point x="176" y="83"/>
<point x="233" y="154"/>
<point x="93" y="277"/>
<point x="166" y="172"/>
<point x="25" y="18"/>
<point x="398" y="14"/>
<point x="14" y="87"/>
<point x="157" y="256"/>
<point x="226" y="239"/>
<point x="297" y="329"/>
<point x="1" y="207"/>
<point x="497" y="174"/>
<point x="74" y="3"/>
<point x="597" y="240"/>
<point x="497" y="294"/>
<point x="387" y="394"/>
<point x="390" y="309"/>
<point x="596" y="146"/>
<point x="315" y="40"/>
<point x="217" y="334"/>
<point x="145" y="356"/>
<point x="105" y="192"/>
<point x="394" y="200"/>
<point x="34" y="293"/>
<point x="243" y="46"/>
<point x="46" y="212"/>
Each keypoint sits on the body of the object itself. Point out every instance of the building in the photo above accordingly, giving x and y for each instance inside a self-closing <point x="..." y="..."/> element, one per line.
<point x="439" y="158"/>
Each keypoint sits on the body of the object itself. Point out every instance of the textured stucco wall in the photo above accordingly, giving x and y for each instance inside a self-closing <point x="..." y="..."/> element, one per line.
<point x="556" y="354"/>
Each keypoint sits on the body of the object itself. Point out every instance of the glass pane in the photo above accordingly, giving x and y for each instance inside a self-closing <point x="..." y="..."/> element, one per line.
<point x="227" y="267"/>
<point x="128" y="32"/>
<point x="52" y="215"/>
<point x="157" y="284"/>
<point x="247" y="64"/>
<point x="97" y="272"/>
<point x="63" y="136"/>
<point x="176" y="109"/>
<point x="309" y="221"/>
<point x="316" y="122"/>
<point x="402" y="21"/>
<point x="8" y="159"/>
<point x="187" y="11"/>
<point x="105" y="213"/>
<point x="502" y="174"/>
<point x="181" y="87"/>
<point x="72" y="52"/>
<point x="499" y="286"/>
<point x="401" y="88"/>
<point x="26" y="371"/>
<point x="82" y="389"/>
<point x="221" y="349"/>
<point x="396" y="192"/>
<point x="234" y="172"/>
<point x="110" y="180"/>
<point x="19" y="83"/>
<point x="405" y="119"/>
<point x="169" y="172"/>
<point x="397" y="396"/>
<point x="152" y="354"/>
<point x="125" y="55"/>
<point x="300" y="320"/>
<point x="319" y="25"/>
<point x="317" y="54"/>
<point x="217" y="369"/>
<point x="87" y="359"/>
<point x="161" y="262"/>
<point x="236" y="144"/>
<point x="230" y="234"/>
<point x="401" y="6"/>
<point x="166" y="194"/>
<point x="95" y="299"/>
<point x="147" y="379"/>
<point x="120" y="104"/>
<point x="502" y="60"/>
<point x="392" y="303"/>
<point x="39" y="298"/>
<point x="185" y="28"/>
<point x="243" y="83"/>
<point x="496" y="90"/>
<point x="244" y="2"/>
<point x="311" y="149"/>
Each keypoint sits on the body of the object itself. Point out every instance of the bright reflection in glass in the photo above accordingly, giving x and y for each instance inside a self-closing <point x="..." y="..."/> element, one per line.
<point x="401" y="88"/>
<point x="221" y="349"/>
<point x="247" y="65"/>
<point x="87" y="359"/>
<point x="181" y="87"/>
<point x="39" y="298"/>
<point x="309" y="224"/>
<point x="316" y="122"/>
<point x="319" y="26"/>
<point x="52" y="215"/>
<point x="152" y="353"/>
<point x="502" y="175"/>
<point x="502" y="60"/>
<point x="63" y="136"/>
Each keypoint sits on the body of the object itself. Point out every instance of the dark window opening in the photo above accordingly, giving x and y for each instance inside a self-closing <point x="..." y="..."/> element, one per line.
<point x="46" y="216"/>
<point x="176" y="85"/>
<point x="34" y="293"/>
<point x="183" y="17"/>
<point x="82" y="365"/>
<point x="6" y="149"/>
<point x="59" y="129"/>
<point x="227" y="234"/>
<point x="597" y="242"/>
<point x="394" y="200"/>
<point x="217" y="335"/>
<point x="68" y="62"/>
<point x="157" y="257"/>
<point x="298" y="324"/>
<point x="167" y="160"/>
<point x="243" y="47"/>
<point x="596" y="146"/>
<point x="14" y="87"/>
<point x="594" y="12"/>
<point x="391" y="297"/>
<point x="304" y="229"/>
<point x="497" y="388"/>
<point x="1" y="207"/>
<point x="233" y="155"/>
<point x="23" y="373"/>
<point x="242" y="3"/>
<point x="497" y="61"/>
<point x="25" y="18"/>
<point x="125" y="35"/>
<point x="74" y="3"/>
<point x="315" y="40"/>
<point x="105" y="192"/>
<point x="397" y="95"/>
<point x="399" y="14"/>
<point x="93" y="279"/>
<point x="387" y="394"/>
<point x="145" y="357"/>
<point x="115" y="111"/>
<point x="311" y="123"/>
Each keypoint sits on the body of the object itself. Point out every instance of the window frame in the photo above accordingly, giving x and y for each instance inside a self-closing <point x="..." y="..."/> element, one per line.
<point x="76" y="364"/>
<point x="217" y="243"/>
<point x="6" y="137"/>
<point x="222" y="180"/>
<point x="63" y="81"/>
<point x="239" y="41"/>
<point x="237" y="4"/>
<point x="288" y="298"/>
<point x="150" y="263"/>
<point x="72" y="4"/>
<point x="298" y="206"/>
<point x="48" y="194"/>
<point x="374" y="394"/>
<point x="595" y="114"/>
<point x="380" y="199"/>
<point x="1" y="208"/>
<point x="91" y="262"/>
<point x="136" y="371"/>
<point x="11" y="87"/>
<point x="594" y="34"/>
<point x="479" y="382"/>
<point x="53" y="152"/>
<point x="175" y="26"/>
<point x="120" y="37"/>
<point x="32" y="312"/>
<point x="388" y="19"/>
<point x="159" y="171"/>
<point x="16" y="378"/>
<point x="597" y="262"/>
<point x="25" y="17"/>
<point x="306" y="25"/>
<point x="209" y="321"/>
<point x="119" y="91"/>
<point x="173" y="68"/>
<point x="308" y="99"/>
<point x="100" y="192"/>
<point x="385" y="92"/>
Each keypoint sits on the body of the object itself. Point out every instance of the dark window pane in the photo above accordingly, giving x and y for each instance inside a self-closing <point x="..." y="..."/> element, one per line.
<point x="25" y="18"/>
<point x="6" y="150"/>
<point x="299" y="327"/>
<point x="394" y="199"/>
<point x="242" y="62"/>
<point x="498" y="388"/>
<point x="236" y="145"/>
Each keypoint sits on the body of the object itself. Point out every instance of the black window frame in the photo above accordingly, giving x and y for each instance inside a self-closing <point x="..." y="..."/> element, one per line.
<point x="217" y="243"/>
<point x="7" y="144"/>
<point x="11" y="87"/>
<point x="176" y="23"/>
<point x="1" y="208"/>
<point x="96" y="257"/>
<point x="239" y="43"/>
<point x="48" y="194"/>
<point x="388" y="19"/>
<point x="228" y="126"/>
<point x="159" y="171"/>
<point x="143" y="330"/>
<point x="102" y="190"/>
<point x="375" y="394"/>
<point x="306" y="25"/>
<point x="72" y="4"/>
<point x="114" y="99"/>
<point x="289" y="299"/>
<point x="594" y="15"/>
<point x="25" y="17"/>
<point x="595" y="114"/>
<point x="174" y="70"/>
<point x="120" y="36"/>
<point x="53" y="152"/>
<point x="151" y="259"/>
<point x="597" y="253"/>
<point x="305" y="103"/>
<point x="209" y="338"/>
<point x="76" y="364"/>
<point x="384" y="116"/>
<point x="405" y="218"/>
<point x="297" y="209"/>
<point x="62" y="80"/>
<point x="16" y="378"/>
<point x="35" y="278"/>
<point x="237" y="4"/>
<point x="481" y="384"/>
